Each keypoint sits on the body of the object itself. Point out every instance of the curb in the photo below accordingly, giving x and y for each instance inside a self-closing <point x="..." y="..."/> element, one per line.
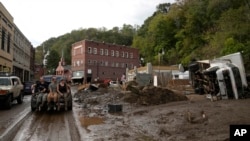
<point x="10" y="132"/>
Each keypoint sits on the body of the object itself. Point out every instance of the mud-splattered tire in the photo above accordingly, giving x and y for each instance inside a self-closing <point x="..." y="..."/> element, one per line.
<point x="8" y="103"/>
<point x="20" y="98"/>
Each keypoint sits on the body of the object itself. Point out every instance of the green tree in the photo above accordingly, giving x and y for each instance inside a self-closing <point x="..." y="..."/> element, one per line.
<point x="52" y="60"/>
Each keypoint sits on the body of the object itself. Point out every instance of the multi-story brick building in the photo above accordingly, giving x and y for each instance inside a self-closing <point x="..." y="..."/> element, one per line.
<point x="95" y="60"/>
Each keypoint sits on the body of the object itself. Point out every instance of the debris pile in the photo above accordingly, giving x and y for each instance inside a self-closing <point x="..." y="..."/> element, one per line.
<point x="132" y="93"/>
<point x="151" y="95"/>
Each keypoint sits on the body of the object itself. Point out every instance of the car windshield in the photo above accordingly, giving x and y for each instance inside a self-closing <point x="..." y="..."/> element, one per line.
<point x="48" y="78"/>
<point x="5" y="81"/>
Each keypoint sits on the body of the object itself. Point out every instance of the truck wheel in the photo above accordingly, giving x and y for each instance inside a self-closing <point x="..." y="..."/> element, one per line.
<point x="33" y="109"/>
<point x="70" y="107"/>
<point x="8" y="103"/>
<point x="20" y="98"/>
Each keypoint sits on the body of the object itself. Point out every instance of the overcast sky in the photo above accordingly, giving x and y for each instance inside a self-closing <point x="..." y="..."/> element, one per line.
<point x="40" y="20"/>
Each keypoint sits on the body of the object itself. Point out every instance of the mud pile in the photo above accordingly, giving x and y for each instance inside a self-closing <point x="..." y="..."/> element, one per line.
<point x="132" y="93"/>
<point x="150" y="95"/>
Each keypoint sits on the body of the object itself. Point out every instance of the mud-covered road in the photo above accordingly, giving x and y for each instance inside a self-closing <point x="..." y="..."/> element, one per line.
<point x="49" y="126"/>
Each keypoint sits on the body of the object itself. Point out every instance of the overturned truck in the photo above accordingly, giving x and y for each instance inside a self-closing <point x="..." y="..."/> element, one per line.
<point x="223" y="77"/>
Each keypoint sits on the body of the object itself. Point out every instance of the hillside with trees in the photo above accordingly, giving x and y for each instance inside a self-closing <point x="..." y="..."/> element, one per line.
<point x="179" y="32"/>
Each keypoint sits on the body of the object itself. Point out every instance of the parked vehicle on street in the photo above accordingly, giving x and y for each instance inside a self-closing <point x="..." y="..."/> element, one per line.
<point x="27" y="87"/>
<point x="11" y="88"/>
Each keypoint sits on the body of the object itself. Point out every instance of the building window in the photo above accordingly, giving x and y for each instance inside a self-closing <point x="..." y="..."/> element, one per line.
<point x="101" y="51"/>
<point x="106" y="52"/>
<point x="116" y="64"/>
<point x="117" y="53"/>
<point x="122" y="54"/>
<point x="131" y="55"/>
<point x="126" y="54"/>
<point x="8" y="43"/>
<point x="101" y="63"/>
<point x="122" y="65"/>
<point x="95" y="50"/>
<point x="89" y="50"/>
<point x="106" y="63"/>
<point x="113" y="64"/>
<point x="3" y="39"/>
<point x="112" y="53"/>
<point x="89" y="62"/>
<point x="94" y="62"/>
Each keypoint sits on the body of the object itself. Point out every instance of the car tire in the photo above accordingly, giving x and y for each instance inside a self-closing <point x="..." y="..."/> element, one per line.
<point x="20" y="98"/>
<point x="70" y="106"/>
<point x="8" y="102"/>
<point x="33" y="108"/>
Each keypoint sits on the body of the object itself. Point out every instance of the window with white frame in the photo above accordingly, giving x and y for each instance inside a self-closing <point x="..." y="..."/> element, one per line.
<point x="89" y="50"/>
<point x="112" y="64"/>
<point x="112" y="53"/>
<point x="131" y="55"/>
<point x="101" y="51"/>
<point x="117" y="53"/>
<point x="126" y="54"/>
<point x="116" y="64"/>
<point x="95" y="50"/>
<point x="106" y="52"/>
<point x="106" y="63"/>
<point x="122" y="54"/>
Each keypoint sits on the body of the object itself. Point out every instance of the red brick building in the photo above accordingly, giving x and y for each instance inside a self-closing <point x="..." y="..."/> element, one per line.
<point x="95" y="60"/>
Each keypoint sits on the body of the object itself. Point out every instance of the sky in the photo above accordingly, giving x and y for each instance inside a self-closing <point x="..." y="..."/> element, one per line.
<point x="40" y="20"/>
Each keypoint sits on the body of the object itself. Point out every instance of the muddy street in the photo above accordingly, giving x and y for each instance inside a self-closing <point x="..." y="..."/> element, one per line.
<point x="48" y="126"/>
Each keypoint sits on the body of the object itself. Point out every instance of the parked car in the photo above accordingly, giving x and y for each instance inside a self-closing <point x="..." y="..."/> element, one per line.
<point x="11" y="88"/>
<point x="27" y="87"/>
